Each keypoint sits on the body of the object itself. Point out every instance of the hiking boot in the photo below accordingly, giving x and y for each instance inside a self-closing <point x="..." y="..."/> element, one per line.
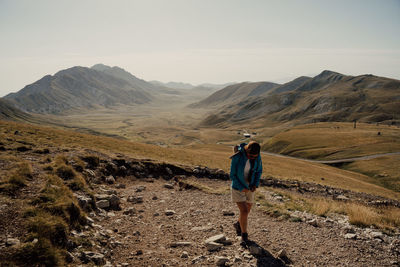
<point x="245" y="240"/>
<point x="245" y="237"/>
<point x="237" y="228"/>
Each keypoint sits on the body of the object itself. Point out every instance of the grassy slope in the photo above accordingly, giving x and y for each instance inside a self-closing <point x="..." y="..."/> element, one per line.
<point x="340" y="140"/>
<point x="384" y="170"/>
<point x="329" y="141"/>
<point x="213" y="156"/>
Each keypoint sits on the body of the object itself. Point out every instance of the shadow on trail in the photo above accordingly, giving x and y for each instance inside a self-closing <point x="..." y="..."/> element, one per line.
<point x="264" y="257"/>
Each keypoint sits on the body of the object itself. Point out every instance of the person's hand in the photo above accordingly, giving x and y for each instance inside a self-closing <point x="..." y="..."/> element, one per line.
<point x="245" y="190"/>
<point x="253" y="188"/>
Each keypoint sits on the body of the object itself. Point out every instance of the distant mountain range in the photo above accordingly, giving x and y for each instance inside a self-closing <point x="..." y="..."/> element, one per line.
<point x="79" y="87"/>
<point x="188" y="86"/>
<point x="329" y="96"/>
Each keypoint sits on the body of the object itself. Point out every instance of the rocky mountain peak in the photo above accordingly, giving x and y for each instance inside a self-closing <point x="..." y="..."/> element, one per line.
<point x="100" y="67"/>
<point x="82" y="87"/>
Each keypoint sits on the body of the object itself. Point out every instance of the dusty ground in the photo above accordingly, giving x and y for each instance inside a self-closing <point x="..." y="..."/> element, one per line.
<point x="146" y="236"/>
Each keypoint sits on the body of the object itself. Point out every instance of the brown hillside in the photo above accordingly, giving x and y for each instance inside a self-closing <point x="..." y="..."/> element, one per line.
<point x="234" y="93"/>
<point x="329" y="96"/>
<point x="81" y="87"/>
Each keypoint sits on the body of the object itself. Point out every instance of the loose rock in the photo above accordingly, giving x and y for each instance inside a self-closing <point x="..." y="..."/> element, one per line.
<point x="114" y="202"/>
<point x="313" y="222"/>
<point x="378" y="235"/>
<point x="12" y="242"/>
<point x="202" y="228"/>
<point x="169" y="186"/>
<point x="95" y="257"/>
<point x="350" y="236"/>
<point x="103" y="204"/>
<point x="180" y="244"/>
<point x="342" y="197"/>
<point x="130" y="211"/>
<point x="140" y="188"/>
<point x="217" y="238"/>
<point x="255" y="250"/>
<point x="228" y="213"/>
<point x="213" y="246"/>
<point x="135" y="199"/>
<point x="169" y="212"/>
<point x="110" y="179"/>
<point x="120" y="186"/>
<point x="221" y="261"/>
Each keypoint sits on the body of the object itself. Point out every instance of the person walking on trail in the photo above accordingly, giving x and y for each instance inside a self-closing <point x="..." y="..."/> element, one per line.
<point x="246" y="169"/>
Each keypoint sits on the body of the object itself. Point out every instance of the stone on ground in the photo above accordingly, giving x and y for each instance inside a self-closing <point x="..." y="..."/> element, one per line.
<point x="213" y="246"/>
<point x="180" y="244"/>
<point x="217" y="238"/>
<point x="169" y="186"/>
<point x="221" y="261"/>
<point x="350" y="236"/>
<point x="169" y="212"/>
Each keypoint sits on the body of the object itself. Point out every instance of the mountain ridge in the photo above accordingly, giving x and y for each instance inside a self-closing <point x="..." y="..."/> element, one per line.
<point x="78" y="87"/>
<point x="9" y="112"/>
<point x="329" y="96"/>
<point x="235" y="93"/>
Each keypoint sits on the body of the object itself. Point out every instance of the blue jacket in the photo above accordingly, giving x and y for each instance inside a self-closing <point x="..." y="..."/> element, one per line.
<point x="237" y="170"/>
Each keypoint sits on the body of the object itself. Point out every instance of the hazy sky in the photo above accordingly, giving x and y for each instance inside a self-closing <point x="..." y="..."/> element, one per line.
<point x="215" y="41"/>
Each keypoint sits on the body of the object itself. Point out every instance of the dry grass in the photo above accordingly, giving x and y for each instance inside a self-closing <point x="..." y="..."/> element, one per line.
<point x="16" y="177"/>
<point x="336" y="140"/>
<point x="57" y="199"/>
<point x="49" y="218"/>
<point x="387" y="218"/>
<point x="292" y="169"/>
<point x="322" y="207"/>
<point x="50" y="211"/>
<point x="213" y="156"/>
<point x="385" y="171"/>
<point x="362" y="215"/>
<point x="42" y="253"/>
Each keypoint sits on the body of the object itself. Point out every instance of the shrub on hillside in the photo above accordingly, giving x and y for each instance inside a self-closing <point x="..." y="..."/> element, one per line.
<point x="92" y="161"/>
<point x="18" y="177"/>
<point x="57" y="199"/>
<point x="48" y="227"/>
<point x="66" y="172"/>
<point x="41" y="253"/>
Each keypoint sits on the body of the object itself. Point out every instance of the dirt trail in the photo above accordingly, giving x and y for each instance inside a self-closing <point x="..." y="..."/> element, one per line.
<point x="144" y="237"/>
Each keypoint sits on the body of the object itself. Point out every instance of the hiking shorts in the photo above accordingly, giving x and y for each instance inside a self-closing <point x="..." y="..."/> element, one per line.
<point x="238" y="196"/>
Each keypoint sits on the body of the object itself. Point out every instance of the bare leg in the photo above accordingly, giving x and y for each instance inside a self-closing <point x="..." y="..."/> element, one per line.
<point x="244" y="210"/>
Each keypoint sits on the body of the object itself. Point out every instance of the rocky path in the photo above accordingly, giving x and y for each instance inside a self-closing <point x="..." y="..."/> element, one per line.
<point x="161" y="224"/>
